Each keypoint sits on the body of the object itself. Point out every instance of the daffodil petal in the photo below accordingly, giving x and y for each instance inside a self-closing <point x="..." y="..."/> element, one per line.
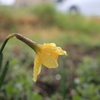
<point x="54" y="48"/>
<point x="49" y="58"/>
<point x="37" y="68"/>
<point x="60" y="51"/>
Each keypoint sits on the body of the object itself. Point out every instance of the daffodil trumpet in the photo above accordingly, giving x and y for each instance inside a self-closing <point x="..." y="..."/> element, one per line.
<point x="46" y="54"/>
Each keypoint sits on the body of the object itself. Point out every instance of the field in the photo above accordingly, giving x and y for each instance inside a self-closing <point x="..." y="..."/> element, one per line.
<point x="78" y="75"/>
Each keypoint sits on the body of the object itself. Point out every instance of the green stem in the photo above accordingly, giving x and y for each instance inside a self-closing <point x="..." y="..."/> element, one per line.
<point x="4" y="43"/>
<point x="27" y="41"/>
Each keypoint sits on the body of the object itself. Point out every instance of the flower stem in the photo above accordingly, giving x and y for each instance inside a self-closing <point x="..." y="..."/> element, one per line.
<point x="27" y="41"/>
<point x="4" y="43"/>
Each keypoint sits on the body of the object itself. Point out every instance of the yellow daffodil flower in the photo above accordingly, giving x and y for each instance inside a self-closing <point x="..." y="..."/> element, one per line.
<point x="47" y="55"/>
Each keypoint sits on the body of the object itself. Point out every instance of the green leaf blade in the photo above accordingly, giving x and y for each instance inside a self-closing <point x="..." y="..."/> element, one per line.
<point x="4" y="72"/>
<point x="1" y="59"/>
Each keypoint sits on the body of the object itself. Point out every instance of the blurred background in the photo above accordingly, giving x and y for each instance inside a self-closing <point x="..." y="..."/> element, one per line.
<point x="62" y="22"/>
